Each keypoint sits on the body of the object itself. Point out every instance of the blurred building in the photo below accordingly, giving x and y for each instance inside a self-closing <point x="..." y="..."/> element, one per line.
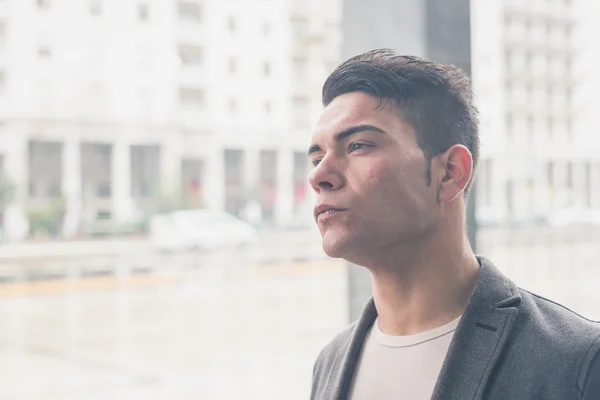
<point x="536" y="156"/>
<point x="123" y="106"/>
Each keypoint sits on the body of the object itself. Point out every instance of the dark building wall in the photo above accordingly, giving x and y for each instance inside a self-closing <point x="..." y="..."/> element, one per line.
<point x="395" y="24"/>
<point x="449" y="33"/>
<point x="433" y="29"/>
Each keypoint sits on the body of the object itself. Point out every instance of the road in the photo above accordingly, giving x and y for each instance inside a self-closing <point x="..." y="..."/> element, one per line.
<point x="226" y="332"/>
<point x="231" y="325"/>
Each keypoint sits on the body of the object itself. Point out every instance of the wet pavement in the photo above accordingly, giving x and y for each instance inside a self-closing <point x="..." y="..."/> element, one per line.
<point x="231" y="325"/>
<point x="225" y="332"/>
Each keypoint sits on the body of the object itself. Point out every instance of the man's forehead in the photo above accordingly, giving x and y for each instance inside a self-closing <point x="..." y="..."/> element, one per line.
<point x="350" y="110"/>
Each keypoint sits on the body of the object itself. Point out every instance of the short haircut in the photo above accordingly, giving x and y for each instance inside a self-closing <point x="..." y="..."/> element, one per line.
<point x="435" y="98"/>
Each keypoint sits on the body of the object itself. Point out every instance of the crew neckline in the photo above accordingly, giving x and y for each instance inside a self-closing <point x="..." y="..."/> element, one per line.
<point x="412" y="340"/>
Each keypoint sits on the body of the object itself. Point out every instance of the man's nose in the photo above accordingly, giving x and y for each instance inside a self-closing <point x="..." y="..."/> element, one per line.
<point x="326" y="176"/>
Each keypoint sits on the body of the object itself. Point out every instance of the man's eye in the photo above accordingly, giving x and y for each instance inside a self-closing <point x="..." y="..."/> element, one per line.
<point x="316" y="162"/>
<point x="356" y="146"/>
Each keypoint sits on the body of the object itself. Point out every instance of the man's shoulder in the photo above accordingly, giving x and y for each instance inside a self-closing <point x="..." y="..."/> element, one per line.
<point x="552" y="319"/>
<point x="328" y="353"/>
<point x="557" y="330"/>
<point x="552" y="347"/>
<point x="327" y="357"/>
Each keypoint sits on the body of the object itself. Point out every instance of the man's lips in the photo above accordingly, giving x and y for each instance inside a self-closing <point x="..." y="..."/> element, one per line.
<point x="325" y="210"/>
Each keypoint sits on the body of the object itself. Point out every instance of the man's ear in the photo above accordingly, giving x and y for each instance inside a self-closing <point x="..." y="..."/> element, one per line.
<point x="456" y="169"/>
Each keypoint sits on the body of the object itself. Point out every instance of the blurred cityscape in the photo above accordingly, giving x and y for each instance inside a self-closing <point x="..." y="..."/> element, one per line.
<point x="155" y="216"/>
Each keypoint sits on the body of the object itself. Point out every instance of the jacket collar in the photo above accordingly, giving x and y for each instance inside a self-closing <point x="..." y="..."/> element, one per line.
<point x="478" y="341"/>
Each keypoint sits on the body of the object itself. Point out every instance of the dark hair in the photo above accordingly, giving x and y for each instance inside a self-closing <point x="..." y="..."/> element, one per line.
<point x="435" y="98"/>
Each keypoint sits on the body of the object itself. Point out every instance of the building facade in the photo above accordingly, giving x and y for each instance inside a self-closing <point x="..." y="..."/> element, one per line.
<point x="538" y="142"/>
<point x="121" y="107"/>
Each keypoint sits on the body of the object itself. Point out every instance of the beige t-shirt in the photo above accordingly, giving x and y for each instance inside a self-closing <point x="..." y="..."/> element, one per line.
<point x="401" y="367"/>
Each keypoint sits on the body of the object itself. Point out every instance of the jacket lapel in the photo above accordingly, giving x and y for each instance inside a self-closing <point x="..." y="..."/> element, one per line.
<point x="348" y="355"/>
<point x="480" y="337"/>
<point x="478" y="342"/>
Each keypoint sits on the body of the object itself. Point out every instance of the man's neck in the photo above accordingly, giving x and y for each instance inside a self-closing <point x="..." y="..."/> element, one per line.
<point x="426" y="289"/>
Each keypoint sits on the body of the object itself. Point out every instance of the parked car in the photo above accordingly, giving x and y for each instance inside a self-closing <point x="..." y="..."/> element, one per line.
<point x="199" y="230"/>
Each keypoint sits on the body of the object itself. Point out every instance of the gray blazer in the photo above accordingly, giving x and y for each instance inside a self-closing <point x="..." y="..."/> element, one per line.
<point x="509" y="345"/>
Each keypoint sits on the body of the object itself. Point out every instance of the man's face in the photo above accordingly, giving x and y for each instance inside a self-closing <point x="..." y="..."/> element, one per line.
<point x="369" y="166"/>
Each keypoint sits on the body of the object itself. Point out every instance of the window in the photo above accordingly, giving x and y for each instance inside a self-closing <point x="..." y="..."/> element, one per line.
<point x="96" y="8"/>
<point x="144" y="173"/>
<point x="530" y="126"/>
<point x="487" y="175"/>
<point x="509" y="125"/>
<point x="103" y="190"/>
<point x="267" y="69"/>
<point x="530" y="193"/>
<point x="550" y="173"/>
<point x="189" y="11"/>
<point x="527" y="59"/>
<point x="32" y="189"/>
<point x="569" y="128"/>
<point x="549" y="93"/>
<point x="300" y="27"/>
<point x="568" y="31"/>
<point x="190" y="55"/>
<point x="301" y="68"/>
<point x="300" y="112"/>
<point x="2" y="38"/>
<point x="570" y="175"/>
<point x="588" y="184"/>
<point x="508" y="57"/>
<point x="550" y="126"/>
<point x="510" y="197"/>
<point x="568" y="96"/>
<point x="231" y="23"/>
<point x="44" y="51"/>
<point x="143" y="12"/>
<point x="191" y="97"/>
<point x="527" y="26"/>
<point x="233" y="106"/>
<point x="232" y="66"/>
<point x="43" y="4"/>
<point x="266" y="29"/>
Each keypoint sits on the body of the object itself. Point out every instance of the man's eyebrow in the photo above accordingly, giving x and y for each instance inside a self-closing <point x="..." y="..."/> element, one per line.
<point x="346" y="133"/>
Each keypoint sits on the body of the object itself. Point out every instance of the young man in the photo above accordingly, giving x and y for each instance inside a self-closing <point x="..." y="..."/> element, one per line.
<point x="394" y="154"/>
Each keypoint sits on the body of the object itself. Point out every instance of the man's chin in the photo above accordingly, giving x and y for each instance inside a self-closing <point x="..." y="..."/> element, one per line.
<point x="334" y="245"/>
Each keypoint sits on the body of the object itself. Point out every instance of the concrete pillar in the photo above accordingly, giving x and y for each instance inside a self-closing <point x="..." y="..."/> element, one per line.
<point x="561" y="198"/>
<point x="71" y="186"/>
<point x="595" y="175"/>
<point x="16" y="157"/>
<point x="579" y="184"/>
<point x="284" y="206"/>
<point x="170" y="168"/>
<point x="252" y="172"/>
<point x="15" y="166"/>
<point x="122" y="202"/>
<point x="252" y="211"/>
<point x="214" y="179"/>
